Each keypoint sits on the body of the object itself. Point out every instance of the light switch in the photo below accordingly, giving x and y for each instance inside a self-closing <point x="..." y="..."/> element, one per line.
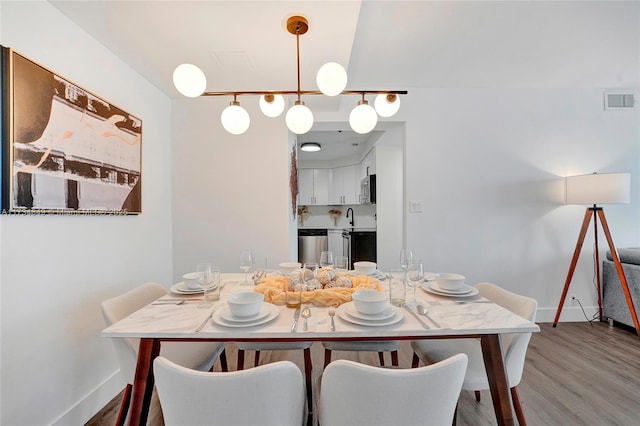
<point x="415" y="206"/>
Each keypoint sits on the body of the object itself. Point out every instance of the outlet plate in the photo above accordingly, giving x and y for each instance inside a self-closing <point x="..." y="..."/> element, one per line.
<point x="572" y="299"/>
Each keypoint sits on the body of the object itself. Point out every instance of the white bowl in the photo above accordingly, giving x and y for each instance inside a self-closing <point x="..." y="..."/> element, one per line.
<point x="370" y="302"/>
<point x="450" y="282"/>
<point x="191" y="280"/>
<point x="289" y="266"/>
<point x="245" y="304"/>
<point x="364" y="267"/>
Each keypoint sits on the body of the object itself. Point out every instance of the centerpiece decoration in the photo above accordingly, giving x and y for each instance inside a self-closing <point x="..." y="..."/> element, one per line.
<point x="327" y="289"/>
<point x="335" y="215"/>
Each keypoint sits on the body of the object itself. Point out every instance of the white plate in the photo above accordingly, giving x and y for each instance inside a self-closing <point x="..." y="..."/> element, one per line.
<point x="350" y="308"/>
<point x="376" y="274"/>
<point x="342" y="313"/>
<point x="225" y="314"/>
<point x="433" y="288"/>
<point x="272" y="312"/>
<point x="465" y="289"/>
<point x="180" y="288"/>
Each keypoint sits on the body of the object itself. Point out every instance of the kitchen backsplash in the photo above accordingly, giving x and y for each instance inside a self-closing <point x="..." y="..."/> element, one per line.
<point x="318" y="217"/>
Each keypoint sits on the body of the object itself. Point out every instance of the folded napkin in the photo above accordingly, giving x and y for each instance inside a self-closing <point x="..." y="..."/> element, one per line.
<point x="273" y="289"/>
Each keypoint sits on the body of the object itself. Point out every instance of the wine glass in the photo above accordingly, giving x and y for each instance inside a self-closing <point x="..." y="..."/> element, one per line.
<point x="205" y="276"/>
<point x="406" y="256"/>
<point x="246" y="263"/>
<point x="415" y="275"/>
<point x="342" y="264"/>
<point x="326" y="259"/>
<point x="312" y="266"/>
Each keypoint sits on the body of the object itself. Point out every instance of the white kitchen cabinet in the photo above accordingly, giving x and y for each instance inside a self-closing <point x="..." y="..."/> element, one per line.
<point x="343" y="185"/>
<point x="313" y="186"/>
<point x="335" y="242"/>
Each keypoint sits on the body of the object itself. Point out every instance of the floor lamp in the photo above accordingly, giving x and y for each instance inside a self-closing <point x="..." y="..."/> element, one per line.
<point x="594" y="189"/>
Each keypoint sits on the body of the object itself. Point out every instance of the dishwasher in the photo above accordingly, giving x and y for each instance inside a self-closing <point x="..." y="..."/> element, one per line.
<point x="311" y="242"/>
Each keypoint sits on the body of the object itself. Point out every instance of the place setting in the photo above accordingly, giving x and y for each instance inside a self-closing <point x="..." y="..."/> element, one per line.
<point x="369" y="308"/>
<point x="450" y="285"/>
<point x="245" y="309"/>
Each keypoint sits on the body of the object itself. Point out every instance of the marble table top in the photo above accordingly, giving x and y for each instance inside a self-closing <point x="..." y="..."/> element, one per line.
<point x="166" y="321"/>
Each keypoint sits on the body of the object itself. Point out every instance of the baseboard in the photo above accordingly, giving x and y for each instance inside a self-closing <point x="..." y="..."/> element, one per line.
<point x="93" y="402"/>
<point x="569" y="314"/>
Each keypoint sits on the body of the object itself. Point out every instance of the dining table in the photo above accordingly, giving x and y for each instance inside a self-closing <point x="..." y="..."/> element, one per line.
<point x="449" y="318"/>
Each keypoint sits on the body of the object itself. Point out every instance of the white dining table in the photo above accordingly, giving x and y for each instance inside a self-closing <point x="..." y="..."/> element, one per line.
<point x="468" y="317"/>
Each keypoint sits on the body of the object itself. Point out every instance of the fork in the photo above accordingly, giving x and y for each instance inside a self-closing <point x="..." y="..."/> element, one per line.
<point x="332" y="313"/>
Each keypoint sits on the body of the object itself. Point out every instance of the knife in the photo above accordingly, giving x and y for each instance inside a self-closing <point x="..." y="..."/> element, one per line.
<point x="296" y="315"/>
<point x="424" y="324"/>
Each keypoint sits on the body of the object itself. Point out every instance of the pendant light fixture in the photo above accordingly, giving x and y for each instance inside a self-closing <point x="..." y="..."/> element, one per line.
<point x="331" y="80"/>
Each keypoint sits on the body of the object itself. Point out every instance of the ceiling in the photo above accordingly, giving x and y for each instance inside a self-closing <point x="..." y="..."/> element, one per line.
<point x="399" y="45"/>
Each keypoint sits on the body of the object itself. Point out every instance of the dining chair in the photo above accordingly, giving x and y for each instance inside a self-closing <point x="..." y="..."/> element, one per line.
<point x="381" y="347"/>
<point x="271" y="394"/>
<point x="198" y="355"/>
<point x="514" y="347"/>
<point x="280" y="346"/>
<point x="358" y="394"/>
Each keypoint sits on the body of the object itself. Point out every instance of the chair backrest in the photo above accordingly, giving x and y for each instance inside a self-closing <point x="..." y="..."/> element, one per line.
<point x="116" y="308"/>
<point x="271" y="394"/>
<point x="514" y="346"/>
<point x="357" y="394"/>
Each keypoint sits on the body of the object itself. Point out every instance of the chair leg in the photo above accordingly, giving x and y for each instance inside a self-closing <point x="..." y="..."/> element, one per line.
<point x="223" y="361"/>
<point x="381" y="358"/>
<point x="240" y="365"/>
<point x="477" y="395"/>
<point x="455" y="415"/>
<point x="394" y="358"/>
<point x="518" y="407"/>
<point x="256" y="359"/>
<point x="124" y="405"/>
<point x="416" y="360"/>
<point x="308" y="369"/>
<point x="327" y="357"/>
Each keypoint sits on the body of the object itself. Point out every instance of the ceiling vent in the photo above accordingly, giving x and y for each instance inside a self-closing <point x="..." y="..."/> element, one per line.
<point x="619" y="100"/>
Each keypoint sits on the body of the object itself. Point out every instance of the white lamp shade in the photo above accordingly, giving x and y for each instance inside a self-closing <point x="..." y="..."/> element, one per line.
<point x="235" y="119"/>
<point x="363" y="118"/>
<point x="299" y="119"/>
<point x="384" y="108"/>
<point x="599" y="188"/>
<point x="331" y="79"/>
<point x="273" y="108"/>
<point x="189" y="80"/>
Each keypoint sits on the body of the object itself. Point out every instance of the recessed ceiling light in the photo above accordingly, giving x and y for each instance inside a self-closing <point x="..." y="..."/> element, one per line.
<point x="310" y="147"/>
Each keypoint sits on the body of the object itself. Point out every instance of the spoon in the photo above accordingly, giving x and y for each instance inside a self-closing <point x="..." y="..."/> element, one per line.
<point x="306" y="313"/>
<point x="423" y="311"/>
<point x="332" y="313"/>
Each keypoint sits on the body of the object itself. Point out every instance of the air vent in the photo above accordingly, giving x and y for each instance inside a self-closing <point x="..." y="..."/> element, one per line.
<point x="619" y="100"/>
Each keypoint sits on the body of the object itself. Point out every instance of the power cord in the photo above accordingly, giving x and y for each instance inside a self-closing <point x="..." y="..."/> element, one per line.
<point x="590" y="321"/>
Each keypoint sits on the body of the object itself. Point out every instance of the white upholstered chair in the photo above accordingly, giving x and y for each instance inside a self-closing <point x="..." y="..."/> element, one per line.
<point x="271" y="394"/>
<point x="381" y="347"/>
<point x="358" y="394"/>
<point x="197" y="355"/>
<point x="514" y="346"/>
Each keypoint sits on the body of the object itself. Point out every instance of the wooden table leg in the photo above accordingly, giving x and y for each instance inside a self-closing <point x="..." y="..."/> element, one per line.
<point x="143" y="382"/>
<point x="497" y="376"/>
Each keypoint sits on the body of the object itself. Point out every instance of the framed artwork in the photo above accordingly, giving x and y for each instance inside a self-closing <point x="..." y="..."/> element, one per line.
<point x="64" y="149"/>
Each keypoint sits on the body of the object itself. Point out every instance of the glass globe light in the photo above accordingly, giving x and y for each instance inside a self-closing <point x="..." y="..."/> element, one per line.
<point x="331" y="79"/>
<point x="387" y="104"/>
<point x="235" y="119"/>
<point x="363" y="118"/>
<point x="271" y="105"/>
<point x="189" y="80"/>
<point x="299" y="118"/>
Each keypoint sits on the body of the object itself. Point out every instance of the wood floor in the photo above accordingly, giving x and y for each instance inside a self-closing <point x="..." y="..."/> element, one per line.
<point x="575" y="374"/>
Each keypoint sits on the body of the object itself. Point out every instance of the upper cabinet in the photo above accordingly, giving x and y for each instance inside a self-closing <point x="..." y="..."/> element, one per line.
<point x="313" y="186"/>
<point x="343" y="185"/>
<point x="368" y="163"/>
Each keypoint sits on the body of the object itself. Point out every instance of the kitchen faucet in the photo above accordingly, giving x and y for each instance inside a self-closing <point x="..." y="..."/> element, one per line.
<point x="351" y="221"/>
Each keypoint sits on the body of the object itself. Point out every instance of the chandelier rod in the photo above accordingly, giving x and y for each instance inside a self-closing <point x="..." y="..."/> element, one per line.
<point x="304" y="92"/>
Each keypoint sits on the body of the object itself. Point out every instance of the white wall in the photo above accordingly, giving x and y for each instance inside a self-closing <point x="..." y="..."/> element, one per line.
<point x="230" y="193"/>
<point x="489" y="171"/>
<point x="55" y="270"/>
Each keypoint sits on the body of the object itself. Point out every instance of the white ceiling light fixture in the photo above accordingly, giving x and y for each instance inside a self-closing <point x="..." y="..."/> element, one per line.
<point x="331" y="80"/>
<point x="387" y="104"/>
<point x="310" y="147"/>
